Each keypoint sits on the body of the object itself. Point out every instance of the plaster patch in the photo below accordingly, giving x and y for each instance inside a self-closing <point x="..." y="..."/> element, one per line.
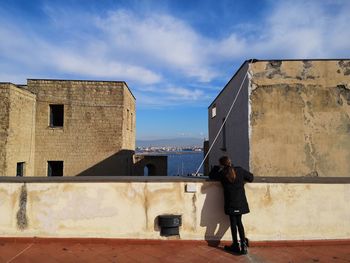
<point x="344" y="91"/>
<point x="345" y="66"/>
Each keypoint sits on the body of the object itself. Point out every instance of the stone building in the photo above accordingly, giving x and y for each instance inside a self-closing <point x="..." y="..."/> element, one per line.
<point x="291" y="118"/>
<point x="67" y="127"/>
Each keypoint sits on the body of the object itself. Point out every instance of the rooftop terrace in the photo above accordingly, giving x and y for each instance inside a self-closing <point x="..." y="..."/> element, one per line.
<point x="114" y="219"/>
<point x="70" y="250"/>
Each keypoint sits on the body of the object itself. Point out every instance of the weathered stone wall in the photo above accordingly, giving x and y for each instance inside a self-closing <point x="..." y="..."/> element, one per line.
<point x="4" y="124"/>
<point x="300" y="118"/>
<point x="91" y="139"/>
<point x="17" y="127"/>
<point x="127" y="209"/>
<point x="129" y="120"/>
<point x="21" y="136"/>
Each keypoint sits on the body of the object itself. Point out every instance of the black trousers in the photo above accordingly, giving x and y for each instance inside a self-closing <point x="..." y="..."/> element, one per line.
<point x="236" y="223"/>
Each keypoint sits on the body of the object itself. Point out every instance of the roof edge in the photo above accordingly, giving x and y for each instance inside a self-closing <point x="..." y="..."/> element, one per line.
<point x="253" y="60"/>
<point x="88" y="80"/>
<point x="238" y="70"/>
<point x="78" y="80"/>
<point x="296" y="59"/>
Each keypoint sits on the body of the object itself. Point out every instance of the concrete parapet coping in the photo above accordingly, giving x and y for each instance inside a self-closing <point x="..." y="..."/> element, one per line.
<point x="167" y="179"/>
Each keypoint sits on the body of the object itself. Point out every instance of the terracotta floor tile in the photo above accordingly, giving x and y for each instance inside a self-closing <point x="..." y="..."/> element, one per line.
<point x="9" y="250"/>
<point x="69" y="252"/>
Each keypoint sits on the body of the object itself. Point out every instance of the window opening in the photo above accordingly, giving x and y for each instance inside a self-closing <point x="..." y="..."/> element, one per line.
<point x="56" y="115"/>
<point x="132" y="121"/>
<point x="55" y="168"/>
<point x="127" y="119"/>
<point x="149" y="170"/>
<point x="213" y="111"/>
<point x="20" y="169"/>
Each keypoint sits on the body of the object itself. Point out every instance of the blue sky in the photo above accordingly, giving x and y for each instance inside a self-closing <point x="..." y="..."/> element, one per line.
<point x="176" y="56"/>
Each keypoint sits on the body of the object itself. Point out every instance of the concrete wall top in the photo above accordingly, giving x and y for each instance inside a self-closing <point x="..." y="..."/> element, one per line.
<point x="92" y="83"/>
<point x="18" y="89"/>
<point x="155" y="179"/>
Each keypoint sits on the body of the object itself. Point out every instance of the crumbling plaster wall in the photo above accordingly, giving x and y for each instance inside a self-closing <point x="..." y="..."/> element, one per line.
<point x="279" y="211"/>
<point x="300" y="118"/>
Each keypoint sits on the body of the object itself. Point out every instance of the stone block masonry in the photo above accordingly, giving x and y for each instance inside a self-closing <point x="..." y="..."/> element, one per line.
<point x="97" y="134"/>
<point x="17" y="129"/>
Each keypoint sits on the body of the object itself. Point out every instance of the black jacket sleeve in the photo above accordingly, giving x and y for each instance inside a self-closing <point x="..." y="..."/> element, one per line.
<point x="248" y="176"/>
<point x="214" y="173"/>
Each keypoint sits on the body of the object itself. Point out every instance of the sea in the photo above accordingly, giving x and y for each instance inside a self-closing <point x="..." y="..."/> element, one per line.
<point x="184" y="163"/>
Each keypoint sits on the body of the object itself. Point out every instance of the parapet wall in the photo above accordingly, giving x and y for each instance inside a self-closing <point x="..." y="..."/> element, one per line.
<point x="127" y="208"/>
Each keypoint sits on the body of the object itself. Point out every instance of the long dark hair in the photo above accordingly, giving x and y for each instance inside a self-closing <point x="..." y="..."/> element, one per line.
<point x="228" y="170"/>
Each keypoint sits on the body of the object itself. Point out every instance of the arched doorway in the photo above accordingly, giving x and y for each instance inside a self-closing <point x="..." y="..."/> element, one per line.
<point x="149" y="170"/>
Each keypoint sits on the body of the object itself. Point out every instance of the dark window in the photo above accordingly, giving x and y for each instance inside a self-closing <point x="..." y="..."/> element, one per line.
<point x="56" y="115"/>
<point x="20" y="169"/>
<point x="55" y="168"/>
<point x="223" y="135"/>
<point x="132" y="121"/>
<point x="127" y="119"/>
<point x="149" y="170"/>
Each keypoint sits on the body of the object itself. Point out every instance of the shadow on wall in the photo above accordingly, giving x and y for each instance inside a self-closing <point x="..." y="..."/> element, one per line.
<point x="126" y="163"/>
<point x="150" y="165"/>
<point x="118" y="164"/>
<point x="212" y="215"/>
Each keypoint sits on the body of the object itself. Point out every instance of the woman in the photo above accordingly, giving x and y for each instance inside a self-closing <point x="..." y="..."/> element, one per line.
<point x="232" y="180"/>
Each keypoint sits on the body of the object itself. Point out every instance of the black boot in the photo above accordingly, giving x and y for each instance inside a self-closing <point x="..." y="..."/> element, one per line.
<point x="247" y="242"/>
<point x="244" y="248"/>
<point x="234" y="248"/>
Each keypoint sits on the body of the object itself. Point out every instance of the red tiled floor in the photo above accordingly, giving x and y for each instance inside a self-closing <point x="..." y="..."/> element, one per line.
<point x="62" y="251"/>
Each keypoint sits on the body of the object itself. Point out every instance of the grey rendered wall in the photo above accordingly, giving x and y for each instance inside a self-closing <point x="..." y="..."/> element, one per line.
<point x="237" y="137"/>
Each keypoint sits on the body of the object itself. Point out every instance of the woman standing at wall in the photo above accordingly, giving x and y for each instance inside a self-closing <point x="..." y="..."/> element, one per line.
<point x="232" y="180"/>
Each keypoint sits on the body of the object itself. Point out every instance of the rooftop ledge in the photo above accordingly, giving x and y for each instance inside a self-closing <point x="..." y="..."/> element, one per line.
<point x="166" y="179"/>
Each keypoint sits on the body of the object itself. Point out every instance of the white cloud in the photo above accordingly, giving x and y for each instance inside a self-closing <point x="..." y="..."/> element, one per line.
<point x="154" y="51"/>
<point x="88" y="59"/>
<point x="184" y="94"/>
<point x="160" y="97"/>
<point x="102" y="68"/>
<point x="302" y="29"/>
<point x="160" y="39"/>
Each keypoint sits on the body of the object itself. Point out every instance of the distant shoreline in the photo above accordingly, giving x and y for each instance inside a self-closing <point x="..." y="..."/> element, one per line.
<point x="170" y="152"/>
